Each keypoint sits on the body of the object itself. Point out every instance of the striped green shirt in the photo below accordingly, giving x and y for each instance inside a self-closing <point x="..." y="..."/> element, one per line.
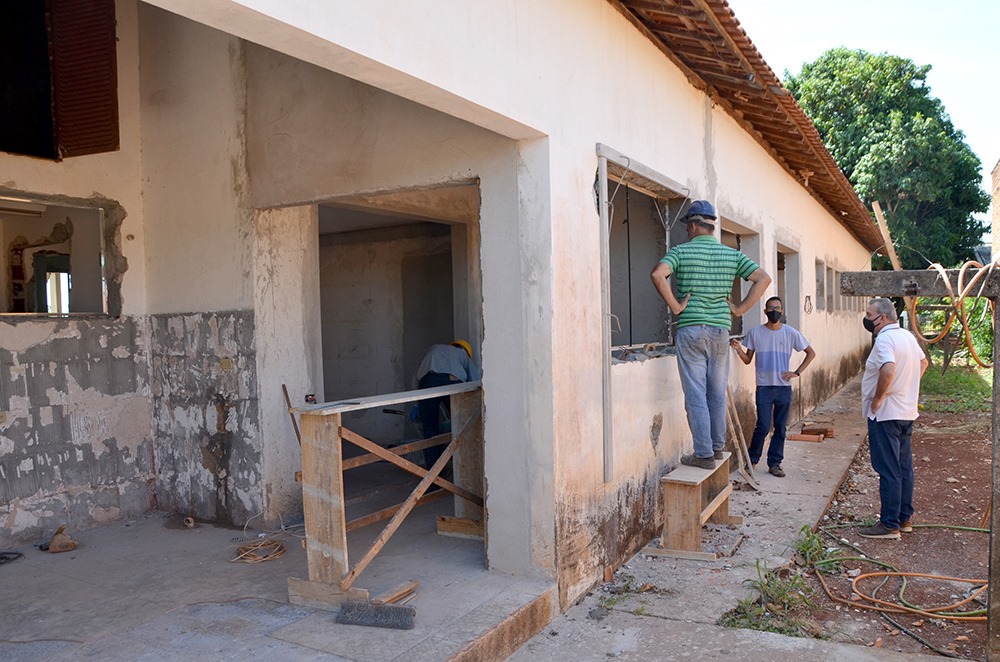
<point x="706" y="269"/>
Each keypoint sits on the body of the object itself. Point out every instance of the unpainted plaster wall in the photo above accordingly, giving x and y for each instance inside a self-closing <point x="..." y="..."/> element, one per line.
<point x="75" y="422"/>
<point x="315" y="136"/>
<point x="205" y="423"/>
<point x="386" y="296"/>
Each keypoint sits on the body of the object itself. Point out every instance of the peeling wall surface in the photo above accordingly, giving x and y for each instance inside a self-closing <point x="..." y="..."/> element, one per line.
<point x="255" y="113"/>
<point x="208" y="454"/>
<point x="75" y="422"/>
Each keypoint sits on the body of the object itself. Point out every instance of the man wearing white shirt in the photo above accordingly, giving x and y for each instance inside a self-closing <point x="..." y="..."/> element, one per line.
<point x="890" y="389"/>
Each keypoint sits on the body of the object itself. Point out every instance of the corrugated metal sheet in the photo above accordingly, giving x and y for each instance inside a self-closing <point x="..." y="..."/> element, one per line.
<point x="704" y="39"/>
<point x="84" y="76"/>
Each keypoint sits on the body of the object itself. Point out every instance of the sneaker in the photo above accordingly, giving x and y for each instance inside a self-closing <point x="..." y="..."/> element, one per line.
<point x="693" y="460"/>
<point x="719" y="455"/>
<point x="879" y="531"/>
<point x="906" y="527"/>
<point x="776" y="470"/>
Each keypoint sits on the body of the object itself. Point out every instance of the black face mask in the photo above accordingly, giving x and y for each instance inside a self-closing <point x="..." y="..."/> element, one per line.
<point x="869" y="324"/>
<point x="773" y="316"/>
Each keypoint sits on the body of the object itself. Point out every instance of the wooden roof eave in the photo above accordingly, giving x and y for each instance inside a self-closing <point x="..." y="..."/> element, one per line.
<point x="738" y="79"/>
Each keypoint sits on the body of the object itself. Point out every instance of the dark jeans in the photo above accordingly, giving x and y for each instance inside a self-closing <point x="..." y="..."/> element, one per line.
<point x="773" y="402"/>
<point x="430" y="412"/>
<point x="892" y="460"/>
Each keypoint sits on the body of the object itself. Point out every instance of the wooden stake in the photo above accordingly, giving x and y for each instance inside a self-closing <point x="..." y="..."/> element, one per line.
<point x="295" y="424"/>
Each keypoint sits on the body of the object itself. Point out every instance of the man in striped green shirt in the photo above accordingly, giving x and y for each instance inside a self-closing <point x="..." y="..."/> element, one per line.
<point x="704" y="270"/>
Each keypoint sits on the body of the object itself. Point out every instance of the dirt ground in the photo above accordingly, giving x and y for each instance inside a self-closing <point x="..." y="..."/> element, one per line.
<point x="952" y="487"/>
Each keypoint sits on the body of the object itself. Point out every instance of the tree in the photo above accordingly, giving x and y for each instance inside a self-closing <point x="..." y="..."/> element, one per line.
<point x="897" y="145"/>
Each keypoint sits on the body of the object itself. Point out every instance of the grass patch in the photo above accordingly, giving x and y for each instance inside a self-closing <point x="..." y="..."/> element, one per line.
<point x="814" y="553"/>
<point x="962" y="388"/>
<point x="780" y="603"/>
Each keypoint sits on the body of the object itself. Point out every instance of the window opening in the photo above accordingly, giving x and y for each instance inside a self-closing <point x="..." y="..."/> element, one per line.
<point x="820" y="286"/>
<point x="52" y="258"/>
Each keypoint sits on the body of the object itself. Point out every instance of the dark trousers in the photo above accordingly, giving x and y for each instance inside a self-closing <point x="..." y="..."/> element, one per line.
<point x="892" y="460"/>
<point x="773" y="405"/>
<point x="430" y="412"/>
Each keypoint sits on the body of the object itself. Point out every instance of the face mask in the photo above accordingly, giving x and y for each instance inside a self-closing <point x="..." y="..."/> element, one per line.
<point x="773" y="316"/>
<point x="869" y="324"/>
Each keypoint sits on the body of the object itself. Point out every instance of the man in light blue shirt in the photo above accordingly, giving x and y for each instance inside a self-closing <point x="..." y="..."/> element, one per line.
<point x="773" y="343"/>
<point x="442" y="365"/>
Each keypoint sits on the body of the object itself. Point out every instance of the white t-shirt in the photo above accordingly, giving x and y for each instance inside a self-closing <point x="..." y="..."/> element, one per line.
<point x="893" y="345"/>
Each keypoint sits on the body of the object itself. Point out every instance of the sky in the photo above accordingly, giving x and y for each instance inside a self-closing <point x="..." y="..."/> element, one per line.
<point x="957" y="38"/>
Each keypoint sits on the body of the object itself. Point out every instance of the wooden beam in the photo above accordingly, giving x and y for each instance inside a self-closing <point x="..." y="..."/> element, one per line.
<point x="323" y="498"/>
<point x="404" y="510"/>
<point x="993" y="618"/>
<point x="912" y="283"/>
<point x="329" y="408"/>
<point x="406" y="465"/>
<point x="460" y="527"/>
<point x="369" y="458"/>
<point x="386" y="513"/>
<point x="396" y="593"/>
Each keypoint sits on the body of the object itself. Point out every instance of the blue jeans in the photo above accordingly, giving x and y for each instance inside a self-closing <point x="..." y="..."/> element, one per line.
<point x="773" y="401"/>
<point x="703" y="362"/>
<point x="430" y="413"/>
<point x="892" y="460"/>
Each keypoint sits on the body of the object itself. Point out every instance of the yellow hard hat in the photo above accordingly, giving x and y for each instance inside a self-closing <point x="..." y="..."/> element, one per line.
<point x="464" y="344"/>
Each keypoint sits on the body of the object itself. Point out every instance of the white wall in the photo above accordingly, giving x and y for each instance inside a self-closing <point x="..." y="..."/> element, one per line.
<point x="575" y="73"/>
<point x="386" y="295"/>
<point x="112" y="176"/>
<point x="199" y="233"/>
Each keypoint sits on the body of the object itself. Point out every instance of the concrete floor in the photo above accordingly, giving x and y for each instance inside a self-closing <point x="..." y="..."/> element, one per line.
<point x="153" y="589"/>
<point x="678" y="620"/>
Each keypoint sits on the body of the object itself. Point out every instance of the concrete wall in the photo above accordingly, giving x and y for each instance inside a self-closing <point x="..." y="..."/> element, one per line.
<point x="372" y="141"/>
<point x="75" y="418"/>
<point x="386" y="296"/>
<point x="342" y="99"/>
<point x="75" y="442"/>
<point x="205" y="415"/>
<point x="540" y="268"/>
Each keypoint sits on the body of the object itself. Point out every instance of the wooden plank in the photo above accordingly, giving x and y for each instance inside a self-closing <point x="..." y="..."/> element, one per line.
<point x="909" y="301"/>
<point x="330" y="408"/>
<point x="460" y="527"/>
<point x="740" y="443"/>
<point x="720" y="499"/>
<point x="295" y="424"/>
<point x="680" y="553"/>
<point x="404" y="509"/>
<point x="406" y="465"/>
<point x="469" y="463"/>
<point x="396" y="593"/>
<point x="826" y="432"/>
<point x="693" y="475"/>
<point x="804" y="437"/>
<point x="925" y="283"/>
<point x="369" y="458"/>
<point x="320" y="595"/>
<point x="681" y="514"/>
<point x="386" y="513"/>
<point x="323" y="498"/>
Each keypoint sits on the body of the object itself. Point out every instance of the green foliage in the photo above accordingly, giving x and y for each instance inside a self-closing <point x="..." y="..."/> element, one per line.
<point x="979" y="318"/>
<point x="812" y="550"/>
<point x="778" y="605"/>
<point x="961" y="388"/>
<point x="897" y="145"/>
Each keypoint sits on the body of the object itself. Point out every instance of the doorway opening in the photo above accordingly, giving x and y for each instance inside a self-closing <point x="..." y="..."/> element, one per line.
<point x="399" y="272"/>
